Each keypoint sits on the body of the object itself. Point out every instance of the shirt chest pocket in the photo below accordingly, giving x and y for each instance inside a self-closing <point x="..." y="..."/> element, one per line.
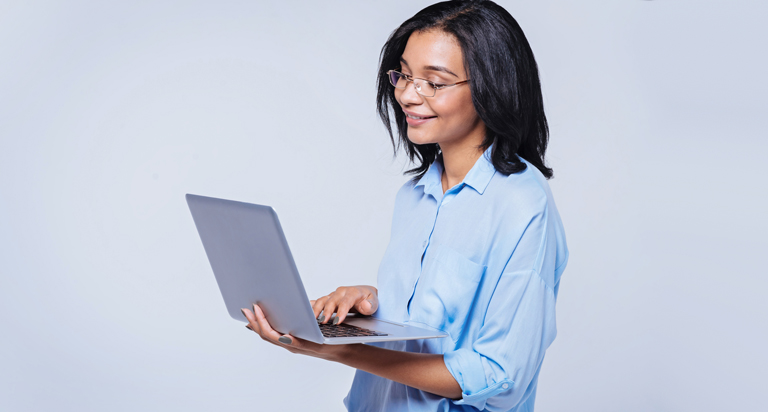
<point x="446" y="291"/>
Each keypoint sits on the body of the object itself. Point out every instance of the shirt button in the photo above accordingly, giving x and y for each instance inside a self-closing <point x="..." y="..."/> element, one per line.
<point x="424" y="244"/>
<point x="505" y="386"/>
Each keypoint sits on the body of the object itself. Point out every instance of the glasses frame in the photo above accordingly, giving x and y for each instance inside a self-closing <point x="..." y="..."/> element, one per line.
<point x="409" y="78"/>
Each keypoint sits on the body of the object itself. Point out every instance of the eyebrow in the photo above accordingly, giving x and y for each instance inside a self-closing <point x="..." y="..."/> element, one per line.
<point x="434" y="68"/>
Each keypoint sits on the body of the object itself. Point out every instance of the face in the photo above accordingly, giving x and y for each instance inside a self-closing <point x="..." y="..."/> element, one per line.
<point x="449" y="117"/>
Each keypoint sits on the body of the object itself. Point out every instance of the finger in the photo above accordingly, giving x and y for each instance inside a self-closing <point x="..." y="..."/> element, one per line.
<point x="312" y="303"/>
<point x="265" y="329"/>
<point x="329" y="309"/>
<point x="367" y="306"/>
<point x="297" y="345"/>
<point x="363" y="307"/>
<point x="251" y="320"/>
<point x="341" y="312"/>
<point x="275" y="337"/>
<point x="286" y="340"/>
<point x="317" y="307"/>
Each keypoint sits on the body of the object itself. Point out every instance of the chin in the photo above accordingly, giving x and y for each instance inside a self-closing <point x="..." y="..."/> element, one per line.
<point x="420" y="138"/>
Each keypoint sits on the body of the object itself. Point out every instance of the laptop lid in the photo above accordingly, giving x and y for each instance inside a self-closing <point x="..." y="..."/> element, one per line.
<point x="252" y="263"/>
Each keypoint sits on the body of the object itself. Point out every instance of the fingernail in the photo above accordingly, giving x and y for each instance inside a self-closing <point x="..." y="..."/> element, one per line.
<point x="243" y="310"/>
<point x="249" y="327"/>
<point x="321" y="318"/>
<point x="286" y="340"/>
<point x="335" y="320"/>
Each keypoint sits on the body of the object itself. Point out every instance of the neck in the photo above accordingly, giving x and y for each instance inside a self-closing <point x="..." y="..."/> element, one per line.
<point x="457" y="162"/>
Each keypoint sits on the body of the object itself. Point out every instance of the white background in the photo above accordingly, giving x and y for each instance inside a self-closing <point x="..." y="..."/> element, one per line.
<point x="110" y="113"/>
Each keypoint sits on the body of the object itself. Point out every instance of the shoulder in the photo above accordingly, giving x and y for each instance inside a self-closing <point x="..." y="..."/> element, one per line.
<point x="525" y="193"/>
<point x="529" y="203"/>
<point x="408" y="194"/>
<point x="407" y="188"/>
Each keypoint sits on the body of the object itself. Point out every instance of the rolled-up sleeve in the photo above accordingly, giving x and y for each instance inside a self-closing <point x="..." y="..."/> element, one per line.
<point x="497" y="372"/>
<point x="482" y="262"/>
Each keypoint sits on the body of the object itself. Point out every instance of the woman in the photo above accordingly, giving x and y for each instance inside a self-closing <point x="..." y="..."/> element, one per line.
<point x="477" y="247"/>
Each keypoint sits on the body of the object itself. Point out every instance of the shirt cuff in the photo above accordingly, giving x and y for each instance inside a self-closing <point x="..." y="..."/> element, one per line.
<point x="467" y="368"/>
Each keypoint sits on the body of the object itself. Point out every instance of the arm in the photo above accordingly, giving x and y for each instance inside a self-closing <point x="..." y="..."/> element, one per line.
<point x="499" y="370"/>
<point x="422" y="371"/>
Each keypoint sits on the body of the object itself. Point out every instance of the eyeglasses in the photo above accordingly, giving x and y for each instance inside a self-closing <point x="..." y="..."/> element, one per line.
<point x="423" y="87"/>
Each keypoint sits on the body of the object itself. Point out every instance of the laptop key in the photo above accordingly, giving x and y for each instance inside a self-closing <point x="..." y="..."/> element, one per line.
<point x="346" y="331"/>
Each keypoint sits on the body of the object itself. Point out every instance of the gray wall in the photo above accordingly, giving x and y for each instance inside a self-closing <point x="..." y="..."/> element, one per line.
<point x="110" y="113"/>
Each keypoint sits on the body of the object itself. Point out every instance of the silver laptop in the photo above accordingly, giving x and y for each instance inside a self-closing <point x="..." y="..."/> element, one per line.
<point x="252" y="263"/>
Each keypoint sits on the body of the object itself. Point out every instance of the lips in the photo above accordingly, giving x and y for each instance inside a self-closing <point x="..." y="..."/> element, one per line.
<point x="416" y="119"/>
<point x="417" y="116"/>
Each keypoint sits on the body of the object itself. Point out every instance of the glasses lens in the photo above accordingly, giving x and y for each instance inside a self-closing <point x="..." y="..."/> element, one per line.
<point x="397" y="79"/>
<point x="424" y="87"/>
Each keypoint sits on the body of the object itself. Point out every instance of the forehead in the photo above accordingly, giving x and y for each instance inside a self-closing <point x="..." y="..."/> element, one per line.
<point x="434" y="48"/>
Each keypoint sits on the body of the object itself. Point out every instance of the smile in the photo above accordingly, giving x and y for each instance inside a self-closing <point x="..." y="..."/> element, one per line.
<point x="417" y="117"/>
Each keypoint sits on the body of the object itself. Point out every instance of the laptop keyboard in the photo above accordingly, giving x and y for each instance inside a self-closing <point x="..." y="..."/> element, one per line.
<point x="346" y="331"/>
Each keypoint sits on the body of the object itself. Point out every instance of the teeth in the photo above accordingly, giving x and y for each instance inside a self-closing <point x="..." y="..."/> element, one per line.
<point x="415" y="117"/>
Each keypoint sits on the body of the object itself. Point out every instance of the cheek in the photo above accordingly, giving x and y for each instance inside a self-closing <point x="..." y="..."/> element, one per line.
<point x="398" y="93"/>
<point x="457" y="112"/>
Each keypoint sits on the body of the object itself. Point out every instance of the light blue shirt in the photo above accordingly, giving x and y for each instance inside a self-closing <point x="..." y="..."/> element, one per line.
<point x="481" y="262"/>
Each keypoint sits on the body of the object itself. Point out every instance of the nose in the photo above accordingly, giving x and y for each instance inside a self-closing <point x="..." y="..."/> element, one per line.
<point x="409" y="95"/>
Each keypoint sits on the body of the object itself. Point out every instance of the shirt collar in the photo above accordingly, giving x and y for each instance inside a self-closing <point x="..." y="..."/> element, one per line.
<point x="477" y="178"/>
<point x="481" y="173"/>
<point x="431" y="181"/>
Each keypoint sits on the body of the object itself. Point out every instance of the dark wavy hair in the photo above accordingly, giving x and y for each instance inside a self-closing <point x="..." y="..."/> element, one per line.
<point x="504" y="81"/>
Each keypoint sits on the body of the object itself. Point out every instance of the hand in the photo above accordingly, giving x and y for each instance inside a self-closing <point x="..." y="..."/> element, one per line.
<point x="362" y="299"/>
<point x="425" y="371"/>
<point x="257" y="322"/>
